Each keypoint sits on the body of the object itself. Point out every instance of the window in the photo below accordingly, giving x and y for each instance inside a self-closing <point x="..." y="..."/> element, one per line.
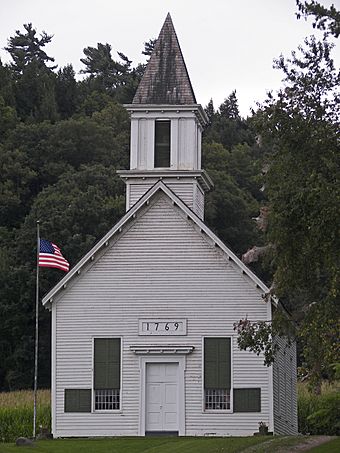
<point x="217" y="373"/>
<point x="247" y="400"/>
<point x="107" y="399"/>
<point x="162" y="144"/>
<point x="217" y="399"/>
<point x="77" y="400"/>
<point x="107" y="373"/>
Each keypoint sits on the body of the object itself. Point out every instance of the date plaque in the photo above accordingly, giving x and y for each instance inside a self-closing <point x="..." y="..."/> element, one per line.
<point x="165" y="327"/>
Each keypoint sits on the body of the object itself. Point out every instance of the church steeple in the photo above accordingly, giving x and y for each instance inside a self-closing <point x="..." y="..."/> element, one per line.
<point x="166" y="79"/>
<point x="166" y="128"/>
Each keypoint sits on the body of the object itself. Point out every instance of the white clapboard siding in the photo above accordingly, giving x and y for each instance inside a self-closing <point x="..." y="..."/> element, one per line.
<point x="284" y="385"/>
<point x="199" y="202"/>
<point x="183" y="190"/>
<point x="136" y="191"/>
<point x="189" y="192"/>
<point x="160" y="267"/>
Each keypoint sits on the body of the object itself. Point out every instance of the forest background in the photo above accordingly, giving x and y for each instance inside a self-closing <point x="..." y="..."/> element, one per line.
<point x="275" y="202"/>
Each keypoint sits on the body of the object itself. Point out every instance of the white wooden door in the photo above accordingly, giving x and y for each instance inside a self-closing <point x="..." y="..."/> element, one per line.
<point x="161" y="397"/>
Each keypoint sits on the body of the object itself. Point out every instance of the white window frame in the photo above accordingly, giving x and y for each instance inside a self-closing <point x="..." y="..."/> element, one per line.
<point x="159" y="120"/>
<point x="219" y="411"/>
<point x="108" y="411"/>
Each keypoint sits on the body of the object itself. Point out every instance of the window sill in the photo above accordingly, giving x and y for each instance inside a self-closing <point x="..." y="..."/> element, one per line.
<point x="108" y="411"/>
<point x="217" y="411"/>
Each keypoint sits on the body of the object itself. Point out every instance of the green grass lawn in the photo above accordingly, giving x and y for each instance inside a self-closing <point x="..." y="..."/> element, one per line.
<point x="164" y="445"/>
<point x="141" y="445"/>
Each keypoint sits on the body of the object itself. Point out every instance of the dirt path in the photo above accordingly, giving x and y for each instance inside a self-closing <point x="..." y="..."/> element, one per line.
<point x="298" y="444"/>
<point x="308" y="443"/>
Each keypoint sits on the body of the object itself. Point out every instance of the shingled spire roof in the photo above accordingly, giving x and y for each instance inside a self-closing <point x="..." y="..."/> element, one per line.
<point x="166" y="79"/>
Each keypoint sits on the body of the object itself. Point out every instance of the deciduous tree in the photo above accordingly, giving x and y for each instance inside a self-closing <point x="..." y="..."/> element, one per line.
<point x="302" y="125"/>
<point x="327" y="19"/>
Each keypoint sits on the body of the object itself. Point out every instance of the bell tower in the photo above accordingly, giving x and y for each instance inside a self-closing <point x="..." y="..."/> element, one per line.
<point x="166" y="128"/>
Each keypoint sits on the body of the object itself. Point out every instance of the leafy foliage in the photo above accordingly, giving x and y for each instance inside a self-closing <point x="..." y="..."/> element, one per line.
<point x="14" y="185"/>
<point x="8" y="118"/>
<point x="116" y="78"/>
<point x="230" y="207"/>
<point x="327" y="19"/>
<point x="66" y="92"/>
<point x="319" y="333"/>
<point x="149" y="46"/>
<point x="326" y="419"/>
<point x="260" y="337"/>
<point x="298" y="131"/>
<point x="7" y="86"/>
<point x="302" y="180"/>
<point x="226" y="125"/>
<point x="229" y="108"/>
<point x="27" y="48"/>
<point x="301" y="125"/>
<point x="99" y="63"/>
<point x="319" y="414"/>
<point x="257" y="337"/>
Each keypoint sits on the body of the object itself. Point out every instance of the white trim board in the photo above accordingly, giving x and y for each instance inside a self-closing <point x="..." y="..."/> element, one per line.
<point x="143" y="361"/>
<point x="131" y="214"/>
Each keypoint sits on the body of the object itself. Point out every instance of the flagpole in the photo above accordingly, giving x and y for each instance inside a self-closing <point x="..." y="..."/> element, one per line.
<point x="36" y="336"/>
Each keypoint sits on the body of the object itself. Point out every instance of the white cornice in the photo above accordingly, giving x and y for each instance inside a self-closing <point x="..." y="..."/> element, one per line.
<point x="161" y="349"/>
<point x="201" y="175"/>
<point x="162" y="108"/>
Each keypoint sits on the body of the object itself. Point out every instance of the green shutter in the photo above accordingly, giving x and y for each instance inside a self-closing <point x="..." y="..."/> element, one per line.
<point x="217" y="363"/>
<point x="106" y="363"/>
<point x="77" y="400"/>
<point x="247" y="400"/>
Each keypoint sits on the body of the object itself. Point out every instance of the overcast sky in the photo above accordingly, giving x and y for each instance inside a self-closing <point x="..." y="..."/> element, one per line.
<point x="227" y="44"/>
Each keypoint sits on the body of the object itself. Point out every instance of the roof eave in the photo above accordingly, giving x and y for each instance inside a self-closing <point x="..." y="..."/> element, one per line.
<point x="201" y="175"/>
<point x="48" y="299"/>
<point x="194" y="108"/>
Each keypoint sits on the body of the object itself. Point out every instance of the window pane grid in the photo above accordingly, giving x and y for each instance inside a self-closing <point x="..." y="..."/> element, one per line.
<point x="217" y="399"/>
<point x="106" y="400"/>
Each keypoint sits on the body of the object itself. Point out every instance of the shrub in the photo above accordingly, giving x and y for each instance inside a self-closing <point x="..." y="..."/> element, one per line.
<point x="319" y="414"/>
<point x="326" y="418"/>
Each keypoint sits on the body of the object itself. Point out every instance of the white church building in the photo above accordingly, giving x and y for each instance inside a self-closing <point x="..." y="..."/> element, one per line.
<point x="142" y="327"/>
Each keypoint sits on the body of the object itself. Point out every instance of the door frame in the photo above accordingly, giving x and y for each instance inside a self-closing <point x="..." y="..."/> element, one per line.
<point x="180" y="360"/>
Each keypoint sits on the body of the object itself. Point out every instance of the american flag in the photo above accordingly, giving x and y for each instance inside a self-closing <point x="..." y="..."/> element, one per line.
<point x="50" y="256"/>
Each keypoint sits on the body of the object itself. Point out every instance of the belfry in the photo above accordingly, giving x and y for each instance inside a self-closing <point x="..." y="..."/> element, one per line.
<point x="166" y="128"/>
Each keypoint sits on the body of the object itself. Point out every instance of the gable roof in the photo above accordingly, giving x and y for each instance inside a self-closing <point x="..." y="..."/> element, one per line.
<point x="166" y="79"/>
<point x="132" y="213"/>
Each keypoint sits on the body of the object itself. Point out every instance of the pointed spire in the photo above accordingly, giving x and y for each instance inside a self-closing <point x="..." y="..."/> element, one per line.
<point x="166" y="79"/>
